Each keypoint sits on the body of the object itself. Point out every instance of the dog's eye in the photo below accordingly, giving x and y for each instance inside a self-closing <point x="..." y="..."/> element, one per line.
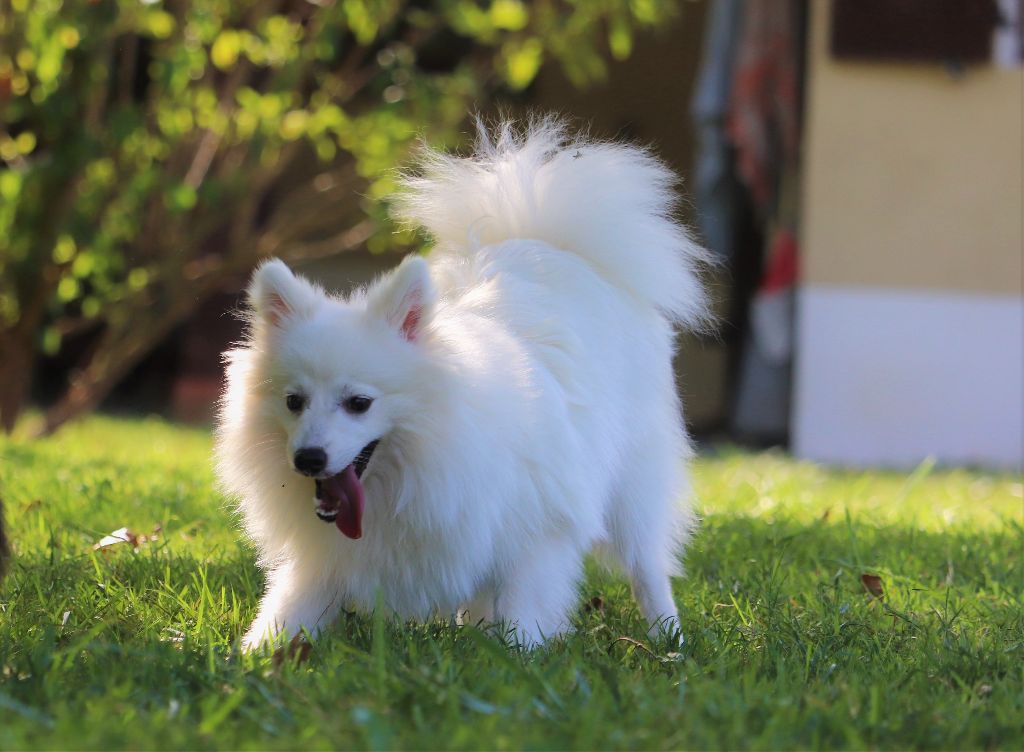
<point x="295" y="402"/>
<point x="358" y="404"/>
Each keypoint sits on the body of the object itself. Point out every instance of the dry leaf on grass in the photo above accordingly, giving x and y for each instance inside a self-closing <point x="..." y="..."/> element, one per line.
<point x="297" y="651"/>
<point x="124" y="535"/>
<point x="873" y="584"/>
<point x="634" y="643"/>
<point x="672" y="657"/>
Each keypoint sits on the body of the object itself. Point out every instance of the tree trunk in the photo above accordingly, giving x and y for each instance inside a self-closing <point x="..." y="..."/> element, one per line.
<point x="118" y="352"/>
<point x="16" y="357"/>
<point x="5" y="550"/>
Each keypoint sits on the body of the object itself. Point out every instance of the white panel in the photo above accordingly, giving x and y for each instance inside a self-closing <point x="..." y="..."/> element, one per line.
<point x="890" y="377"/>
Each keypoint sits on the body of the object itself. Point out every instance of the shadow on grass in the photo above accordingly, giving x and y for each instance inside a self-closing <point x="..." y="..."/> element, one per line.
<point x="966" y="558"/>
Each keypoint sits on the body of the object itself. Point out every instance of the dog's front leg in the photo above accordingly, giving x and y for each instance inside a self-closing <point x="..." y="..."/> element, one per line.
<point x="294" y="600"/>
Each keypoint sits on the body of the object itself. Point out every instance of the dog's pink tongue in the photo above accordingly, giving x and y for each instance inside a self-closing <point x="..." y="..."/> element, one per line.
<point x="345" y="491"/>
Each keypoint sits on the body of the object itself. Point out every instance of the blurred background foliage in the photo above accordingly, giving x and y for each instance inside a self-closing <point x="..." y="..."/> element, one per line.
<point x="151" y="150"/>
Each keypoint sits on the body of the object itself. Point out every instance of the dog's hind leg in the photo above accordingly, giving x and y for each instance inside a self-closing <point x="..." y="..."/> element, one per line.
<point x="648" y="521"/>
<point x="538" y="594"/>
<point x="653" y="591"/>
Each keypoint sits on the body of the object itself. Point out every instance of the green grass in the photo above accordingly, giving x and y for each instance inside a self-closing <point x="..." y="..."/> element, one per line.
<point x="783" y="649"/>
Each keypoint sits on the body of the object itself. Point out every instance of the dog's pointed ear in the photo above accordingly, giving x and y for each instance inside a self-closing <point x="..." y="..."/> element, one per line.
<point x="276" y="294"/>
<point x="404" y="298"/>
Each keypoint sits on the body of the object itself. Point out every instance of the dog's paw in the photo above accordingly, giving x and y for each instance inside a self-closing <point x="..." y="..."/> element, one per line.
<point x="251" y="644"/>
<point x="667" y="631"/>
<point x="259" y="638"/>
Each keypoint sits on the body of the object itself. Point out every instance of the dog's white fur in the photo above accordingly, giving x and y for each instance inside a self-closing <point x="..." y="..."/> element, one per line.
<point x="524" y="394"/>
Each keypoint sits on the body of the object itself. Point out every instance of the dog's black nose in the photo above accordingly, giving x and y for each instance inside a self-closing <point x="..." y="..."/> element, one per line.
<point x="310" y="460"/>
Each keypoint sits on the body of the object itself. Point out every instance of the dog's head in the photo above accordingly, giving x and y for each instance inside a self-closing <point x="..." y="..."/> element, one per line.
<point x="339" y="376"/>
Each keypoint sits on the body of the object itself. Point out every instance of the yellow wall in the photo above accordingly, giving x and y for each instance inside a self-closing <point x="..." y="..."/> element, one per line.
<point x="912" y="177"/>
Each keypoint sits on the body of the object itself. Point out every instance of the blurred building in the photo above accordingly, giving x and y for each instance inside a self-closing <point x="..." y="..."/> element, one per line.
<point x="910" y="323"/>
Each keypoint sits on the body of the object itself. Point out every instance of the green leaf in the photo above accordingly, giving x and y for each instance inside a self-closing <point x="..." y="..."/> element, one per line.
<point x="10" y="184"/>
<point x="9" y="309"/>
<point x="49" y="64"/>
<point x="647" y="11"/>
<point x="522" y="61"/>
<point x="137" y="279"/>
<point x="293" y="124"/>
<point x="361" y="21"/>
<point x="225" y="49"/>
<point x="620" y="38"/>
<point x="51" y="341"/>
<point x="180" y="198"/>
<point x="510" y="15"/>
<point x="159" y="23"/>
<point x="91" y="307"/>
<point x="83" y="265"/>
<point x="25" y="142"/>
<point x="26" y="59"/>
<point x="64" y="250"/>
<point x="69" y="36"/>
<point x="68" y="289"/>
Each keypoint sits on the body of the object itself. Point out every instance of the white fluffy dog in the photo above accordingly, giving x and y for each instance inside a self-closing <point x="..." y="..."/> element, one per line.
<point x="474" y="423"/>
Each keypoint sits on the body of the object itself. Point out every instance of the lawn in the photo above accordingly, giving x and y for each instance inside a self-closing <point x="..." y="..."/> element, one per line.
<point x="784" y="647"/>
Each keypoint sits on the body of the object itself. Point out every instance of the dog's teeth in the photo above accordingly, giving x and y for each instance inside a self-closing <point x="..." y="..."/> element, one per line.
<point x="326" y="516"/>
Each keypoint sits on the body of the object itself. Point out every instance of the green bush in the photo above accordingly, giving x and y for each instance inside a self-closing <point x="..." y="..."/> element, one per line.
<point x="149" y="152"/>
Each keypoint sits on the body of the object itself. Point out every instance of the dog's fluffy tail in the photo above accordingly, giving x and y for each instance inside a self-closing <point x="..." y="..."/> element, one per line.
<point x="611" y="203"/>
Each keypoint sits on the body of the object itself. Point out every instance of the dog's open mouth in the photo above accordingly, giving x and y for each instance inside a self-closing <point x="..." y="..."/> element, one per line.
<point x="340" y="499"/>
